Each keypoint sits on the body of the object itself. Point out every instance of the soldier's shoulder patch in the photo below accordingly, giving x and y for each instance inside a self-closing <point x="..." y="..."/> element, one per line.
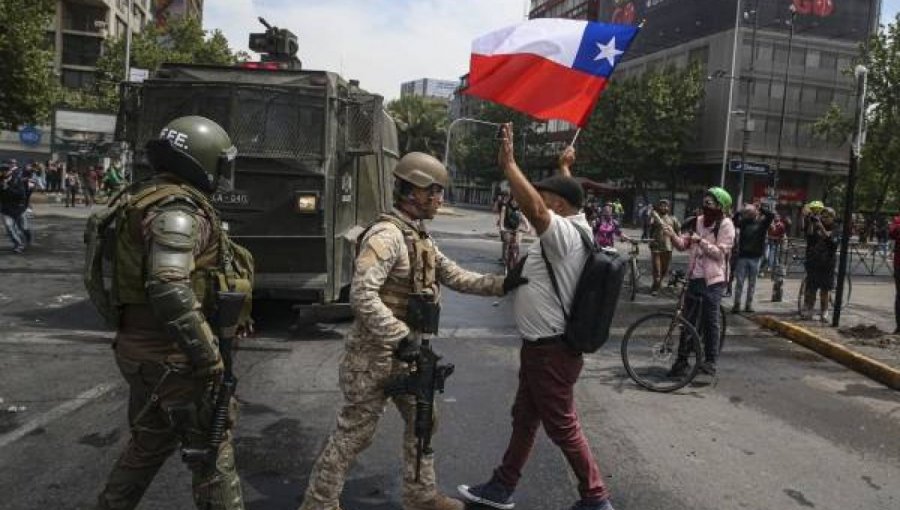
<point x="383" y="240"/>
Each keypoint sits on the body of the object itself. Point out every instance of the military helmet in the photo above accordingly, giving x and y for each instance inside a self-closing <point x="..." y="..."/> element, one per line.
<point x="196" y="149"/>
<point x="422" y="170"/>
<point x="721" y="196"/>
<point x="815" y="206"/>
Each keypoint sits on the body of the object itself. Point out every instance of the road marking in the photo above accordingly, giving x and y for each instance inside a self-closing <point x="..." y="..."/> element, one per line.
<point x="56" y="413"/>
<point x="51" y="337"/>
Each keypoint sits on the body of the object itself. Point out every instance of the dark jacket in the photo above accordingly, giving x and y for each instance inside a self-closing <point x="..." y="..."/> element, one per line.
<point x="13" y="197"/>
<point x="752" y="239"/>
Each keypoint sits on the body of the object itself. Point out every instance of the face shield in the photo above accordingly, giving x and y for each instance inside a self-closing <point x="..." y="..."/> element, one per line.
<point x="225" y="170"/>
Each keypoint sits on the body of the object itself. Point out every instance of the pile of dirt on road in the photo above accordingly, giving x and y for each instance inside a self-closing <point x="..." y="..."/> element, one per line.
<point x="870" y="335"/>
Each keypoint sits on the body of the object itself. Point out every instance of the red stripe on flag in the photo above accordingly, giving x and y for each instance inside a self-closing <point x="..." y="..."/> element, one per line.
<point x="534" y="85"/>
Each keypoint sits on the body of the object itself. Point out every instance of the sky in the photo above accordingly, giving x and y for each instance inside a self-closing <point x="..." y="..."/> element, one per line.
<point x="382" y="43"/>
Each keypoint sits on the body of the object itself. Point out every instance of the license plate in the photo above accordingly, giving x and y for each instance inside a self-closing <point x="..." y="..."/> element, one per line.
<point x="231" y="198"/>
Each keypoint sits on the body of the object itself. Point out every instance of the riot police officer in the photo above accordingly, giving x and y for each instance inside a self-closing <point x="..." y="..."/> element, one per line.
<point x="397" y="262"/>
<point x="173" y="263"/>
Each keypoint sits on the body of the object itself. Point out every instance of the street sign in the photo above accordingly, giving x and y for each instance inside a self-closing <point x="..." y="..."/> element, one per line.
<point x="750" y="167"/>
<point x="138" y="75"/>
<point x="30" y="136"/>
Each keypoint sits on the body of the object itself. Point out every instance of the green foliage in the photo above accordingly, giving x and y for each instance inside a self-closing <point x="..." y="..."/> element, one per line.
<point x="878" y="182"/>
<point x="474" y="146"/>
<point x="26" y="74"/>
<point x="422" y="124"/>
<point x="641" y="126"/>
<point x="182" y="41"/>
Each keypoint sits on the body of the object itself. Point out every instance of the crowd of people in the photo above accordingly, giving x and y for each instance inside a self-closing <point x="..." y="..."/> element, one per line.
<point x="19" y="183"/>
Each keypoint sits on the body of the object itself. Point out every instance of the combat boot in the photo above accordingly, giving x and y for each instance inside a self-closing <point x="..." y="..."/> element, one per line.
<point x="438" y="502"/>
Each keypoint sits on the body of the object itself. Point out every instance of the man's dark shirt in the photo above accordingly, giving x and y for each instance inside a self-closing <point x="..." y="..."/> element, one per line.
<point x="752" y="240"/>
<point x="13" y="197"/>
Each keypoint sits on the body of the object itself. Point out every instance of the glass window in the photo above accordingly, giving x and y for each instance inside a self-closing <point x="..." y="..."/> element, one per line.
<point x="780" y="55"/>
<point x="828" y="61"/>
<point x="843" y="63"/>
<point x="78" y="79"/>
<point x="777" y="90"/>
<point x="82" y="17"/>
<point x="824" y="95"/>
<point x="764" y="53"/>
<point x="120" y="26"/>
<point x="80" y="50"/>
<point x="798" y="57"/>
<point x="700" y="55"/>
<point x="808" y="94"/>
<point x="793" y="92"/>
<point x="813" y="57"/>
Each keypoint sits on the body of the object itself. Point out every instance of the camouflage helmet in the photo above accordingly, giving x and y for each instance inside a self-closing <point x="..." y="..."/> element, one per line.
<point x="422" y="170"/>
<point x="196" y="149"/>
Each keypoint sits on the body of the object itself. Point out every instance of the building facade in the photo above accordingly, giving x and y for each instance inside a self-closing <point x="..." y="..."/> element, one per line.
<point x="728" y="38"/>
<point x="430" y="88"/>
<point x="165" y="11"/>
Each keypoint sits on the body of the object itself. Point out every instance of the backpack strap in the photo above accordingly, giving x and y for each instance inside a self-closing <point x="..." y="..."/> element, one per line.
<point x="589" y="245"/>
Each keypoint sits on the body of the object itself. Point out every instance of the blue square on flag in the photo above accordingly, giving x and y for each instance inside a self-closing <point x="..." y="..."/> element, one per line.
<point x="602" y="46"/>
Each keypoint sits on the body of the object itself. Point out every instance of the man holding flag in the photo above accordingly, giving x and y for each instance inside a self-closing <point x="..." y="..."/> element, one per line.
<point x="550" y="69"/>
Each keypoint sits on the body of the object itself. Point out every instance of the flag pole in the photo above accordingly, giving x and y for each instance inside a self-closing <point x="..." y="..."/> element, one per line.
<point x="575" y="139"/>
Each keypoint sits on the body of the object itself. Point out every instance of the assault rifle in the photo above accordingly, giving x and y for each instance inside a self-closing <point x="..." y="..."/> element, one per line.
<point x="228" y="309"/>
<point x="425" y="380"/>
<point x="427" y="376"/>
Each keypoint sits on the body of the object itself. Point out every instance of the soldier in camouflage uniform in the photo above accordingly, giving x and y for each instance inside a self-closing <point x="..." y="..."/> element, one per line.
<point x="171" y="258"/>
<point x="396" y="258"/>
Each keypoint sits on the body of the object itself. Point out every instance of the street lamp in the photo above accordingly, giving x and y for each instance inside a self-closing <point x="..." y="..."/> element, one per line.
<point x="855" y="155"/>
<point x="787" y="70"/>
<point x="128" y="16"/>
<point x="778" y="271"/>
<point x="745" y="143"/>
<point x="734" y="55"/>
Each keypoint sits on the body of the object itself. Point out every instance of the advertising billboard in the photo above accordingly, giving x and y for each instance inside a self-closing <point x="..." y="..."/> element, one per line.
<point x="672" y="22"/>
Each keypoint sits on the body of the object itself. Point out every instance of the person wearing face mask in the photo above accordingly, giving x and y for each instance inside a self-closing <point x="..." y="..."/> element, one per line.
<point x="660" y="244"/>
<point x="398" y="266"/>
<point x="607" y="228"/>
<point x="821" y="257"/>
<point x="753" y="224"/>
<point x="710" y="244"/>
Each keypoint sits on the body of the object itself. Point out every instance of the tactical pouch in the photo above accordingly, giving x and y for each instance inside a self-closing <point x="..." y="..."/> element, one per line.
<point x="423" y="313"/>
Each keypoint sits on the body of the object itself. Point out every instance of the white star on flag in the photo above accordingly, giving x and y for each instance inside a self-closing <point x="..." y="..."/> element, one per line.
<point x="608" y="51"/>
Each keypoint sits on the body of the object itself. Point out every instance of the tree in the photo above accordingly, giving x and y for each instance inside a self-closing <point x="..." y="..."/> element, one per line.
<point x="182" y="41"/>
<point x="474" y="148"/>
<point x="26" y="75"/>
<point x="878" y="183"/>
<point x="421" y="122"/>
<point x="641" y="126"/>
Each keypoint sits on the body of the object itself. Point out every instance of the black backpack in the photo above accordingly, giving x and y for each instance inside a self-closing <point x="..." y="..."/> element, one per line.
<point x="511" y="218"/>
<point x="596" y="296"/>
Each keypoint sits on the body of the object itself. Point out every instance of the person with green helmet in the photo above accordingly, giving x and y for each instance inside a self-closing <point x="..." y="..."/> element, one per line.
<point x="172" y="263"/>
<point x="819" y="229"/>
<point x="710" y="244"/>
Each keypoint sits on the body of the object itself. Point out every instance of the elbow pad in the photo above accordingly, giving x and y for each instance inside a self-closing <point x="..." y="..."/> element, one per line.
<point x="175" y="306"/>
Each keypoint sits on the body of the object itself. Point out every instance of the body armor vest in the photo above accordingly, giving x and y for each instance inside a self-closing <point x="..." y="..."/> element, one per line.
<point x="223" y="265"/>
<point x="422" y="277"/>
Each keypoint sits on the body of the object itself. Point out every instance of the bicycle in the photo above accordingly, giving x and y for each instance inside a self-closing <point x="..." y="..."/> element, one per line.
<point x="510" y="250"/>
<point x="848" y="289"/>
<point x="658" y="338"/>
<point x="633" y="278"/>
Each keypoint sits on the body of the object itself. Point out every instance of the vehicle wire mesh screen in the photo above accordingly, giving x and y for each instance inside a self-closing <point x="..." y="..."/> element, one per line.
<point x="363" y="113"/>
<point x="262" y="121"/>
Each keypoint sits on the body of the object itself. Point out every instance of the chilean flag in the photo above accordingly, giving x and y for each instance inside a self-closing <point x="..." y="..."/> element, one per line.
<point x="548" y="68"/>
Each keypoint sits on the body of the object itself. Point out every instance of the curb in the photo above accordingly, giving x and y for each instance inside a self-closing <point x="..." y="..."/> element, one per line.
<point x="853" y="360"/>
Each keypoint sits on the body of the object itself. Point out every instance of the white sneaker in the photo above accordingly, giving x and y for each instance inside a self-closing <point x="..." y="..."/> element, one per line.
<point x="823" y="317"/>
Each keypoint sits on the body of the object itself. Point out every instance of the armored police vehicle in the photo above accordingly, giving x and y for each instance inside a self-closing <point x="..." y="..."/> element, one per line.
<point x="315" y="156"/>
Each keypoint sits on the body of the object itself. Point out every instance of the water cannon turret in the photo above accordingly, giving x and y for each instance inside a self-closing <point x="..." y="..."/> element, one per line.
<point x="275" y="44"/>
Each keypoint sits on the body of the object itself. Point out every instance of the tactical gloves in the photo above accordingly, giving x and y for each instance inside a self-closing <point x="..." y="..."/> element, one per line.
<point x="407" y="350"/>
<point x="514" y="277"/>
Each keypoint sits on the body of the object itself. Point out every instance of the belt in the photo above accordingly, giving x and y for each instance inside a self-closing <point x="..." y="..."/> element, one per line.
<point x="540" y="342"/>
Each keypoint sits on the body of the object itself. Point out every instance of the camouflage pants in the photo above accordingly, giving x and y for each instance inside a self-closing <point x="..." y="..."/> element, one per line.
<point x="154" y="439"/>
<point x="362" y="379"/>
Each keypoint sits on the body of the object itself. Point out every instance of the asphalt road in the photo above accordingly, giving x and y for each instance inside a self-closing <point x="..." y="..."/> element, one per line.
<point x="782" y="427"/>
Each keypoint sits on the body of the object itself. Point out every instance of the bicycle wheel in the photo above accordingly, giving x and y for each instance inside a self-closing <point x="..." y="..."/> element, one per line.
<point x="800" y="296"/>
<point x="633" y="277"/>
<point x="723" y="327"/>
<point x="650" y="349"/>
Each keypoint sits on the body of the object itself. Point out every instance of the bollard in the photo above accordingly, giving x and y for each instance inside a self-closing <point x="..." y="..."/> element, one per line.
<point x="778" y="284"/>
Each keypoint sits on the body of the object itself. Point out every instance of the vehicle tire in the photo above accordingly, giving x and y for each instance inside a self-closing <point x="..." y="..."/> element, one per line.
<point x="650" y="348"/>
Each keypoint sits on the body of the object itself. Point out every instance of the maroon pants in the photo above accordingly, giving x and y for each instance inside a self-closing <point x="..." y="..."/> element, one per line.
<point x="547" y="377"/>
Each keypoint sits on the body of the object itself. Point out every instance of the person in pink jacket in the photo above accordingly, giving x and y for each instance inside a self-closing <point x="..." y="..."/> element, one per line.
<point x="710" y="244"/>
